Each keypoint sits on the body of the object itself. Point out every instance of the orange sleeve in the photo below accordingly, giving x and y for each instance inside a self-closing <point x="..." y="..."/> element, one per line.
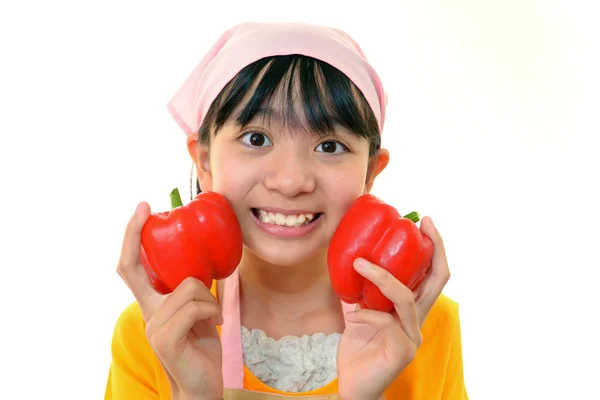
<point x="454" y="382"/>
<point x="132" y="373"/>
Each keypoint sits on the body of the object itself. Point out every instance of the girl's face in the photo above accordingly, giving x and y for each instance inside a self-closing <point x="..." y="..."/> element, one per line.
<point x="289" y="188"/>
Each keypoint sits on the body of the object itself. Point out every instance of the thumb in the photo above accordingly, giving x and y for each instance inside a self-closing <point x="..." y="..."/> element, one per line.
<point x="130" y="268"/>
<point x="440" y="272"/>
<point x="130" y="250"/>
<point x="428" y="229"/>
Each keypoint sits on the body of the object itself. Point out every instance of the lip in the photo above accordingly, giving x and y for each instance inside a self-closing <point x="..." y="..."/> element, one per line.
<point x="285" y="231"/>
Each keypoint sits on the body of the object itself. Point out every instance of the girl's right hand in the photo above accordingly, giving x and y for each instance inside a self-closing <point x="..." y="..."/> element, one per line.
<point x="180" y="326"/>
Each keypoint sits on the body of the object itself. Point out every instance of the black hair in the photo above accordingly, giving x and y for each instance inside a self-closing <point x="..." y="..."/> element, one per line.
<point x="328" y="99"/>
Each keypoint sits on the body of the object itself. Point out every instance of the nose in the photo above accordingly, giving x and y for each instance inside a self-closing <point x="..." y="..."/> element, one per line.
<point x="291" y="176"/>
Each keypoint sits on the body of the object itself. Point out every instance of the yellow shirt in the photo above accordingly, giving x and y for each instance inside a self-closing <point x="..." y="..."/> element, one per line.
<point x="435" y="373"/>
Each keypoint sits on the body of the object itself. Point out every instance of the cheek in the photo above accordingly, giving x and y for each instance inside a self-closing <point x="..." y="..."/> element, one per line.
<point x="343" y="187"/>
<point x="232" y="178"/>
<point x="233" y="181"/>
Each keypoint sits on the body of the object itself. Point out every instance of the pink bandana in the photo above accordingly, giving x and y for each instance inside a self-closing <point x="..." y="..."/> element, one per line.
<point x="249" y="42"/>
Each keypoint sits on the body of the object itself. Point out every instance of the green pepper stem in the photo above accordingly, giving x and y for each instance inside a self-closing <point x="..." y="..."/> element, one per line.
<point x="413" y="216"/>
<point x="175" y="199"/>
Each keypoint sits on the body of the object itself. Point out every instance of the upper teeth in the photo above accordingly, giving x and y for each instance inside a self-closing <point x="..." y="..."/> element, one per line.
<point x="285" y="220"/>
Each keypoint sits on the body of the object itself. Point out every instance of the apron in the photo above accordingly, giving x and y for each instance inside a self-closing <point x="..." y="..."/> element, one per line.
<point x="231" y="343"/>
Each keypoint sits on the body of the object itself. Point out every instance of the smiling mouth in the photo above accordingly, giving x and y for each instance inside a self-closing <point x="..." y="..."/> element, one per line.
<point x="291" y="220"/>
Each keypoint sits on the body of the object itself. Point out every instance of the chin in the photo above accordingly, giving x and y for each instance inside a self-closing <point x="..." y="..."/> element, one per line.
<point x="285" y="257"/>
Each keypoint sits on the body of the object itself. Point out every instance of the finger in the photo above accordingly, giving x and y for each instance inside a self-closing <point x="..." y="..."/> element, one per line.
<point x="388" y="325"/>
<point x="440" y="272"/>
<point x="174" y="332"/>
<point x="129" y="267"/>
<point x="190" y="289"/>
<point x="382" y="321"/>
<point x="419" y="290"/>
<point x="401" y="296"/>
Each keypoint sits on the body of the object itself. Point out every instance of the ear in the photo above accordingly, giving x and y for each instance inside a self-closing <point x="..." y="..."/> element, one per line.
<point x="377" y="164"/>
<point x="200" y="156"/>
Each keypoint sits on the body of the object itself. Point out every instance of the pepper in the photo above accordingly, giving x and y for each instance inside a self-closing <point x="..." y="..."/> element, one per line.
<point x="202" y="239"/>
<point x="375" y="231"/>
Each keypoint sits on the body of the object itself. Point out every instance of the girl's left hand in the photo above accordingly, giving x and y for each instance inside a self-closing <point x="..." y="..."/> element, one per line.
<point x="376" y="346"/>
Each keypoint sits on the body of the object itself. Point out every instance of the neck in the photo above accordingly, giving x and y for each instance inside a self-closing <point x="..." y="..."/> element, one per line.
<point x="286" y="292"/>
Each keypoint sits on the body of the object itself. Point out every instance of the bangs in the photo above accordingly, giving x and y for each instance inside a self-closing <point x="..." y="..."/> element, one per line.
<point x="300" y="92"/>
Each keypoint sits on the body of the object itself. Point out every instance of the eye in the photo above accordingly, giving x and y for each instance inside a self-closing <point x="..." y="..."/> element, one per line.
<point x="256" y="139"/>
<point x="332" y="147"/>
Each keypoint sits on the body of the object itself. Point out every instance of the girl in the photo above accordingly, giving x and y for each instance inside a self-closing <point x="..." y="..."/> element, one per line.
<point x="285" y="121"/>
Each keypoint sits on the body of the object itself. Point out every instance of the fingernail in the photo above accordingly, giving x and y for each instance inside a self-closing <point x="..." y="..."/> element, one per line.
<point x="138" y="209"/>
<point x="362" y="265"/>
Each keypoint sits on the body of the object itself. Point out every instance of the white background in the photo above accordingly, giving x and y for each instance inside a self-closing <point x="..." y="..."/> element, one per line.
<point x="493" y="124"/>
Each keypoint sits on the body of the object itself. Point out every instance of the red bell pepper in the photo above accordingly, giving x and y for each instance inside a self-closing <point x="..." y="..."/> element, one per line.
<point x="202" y="239"/>
<point x="375" y="231"/>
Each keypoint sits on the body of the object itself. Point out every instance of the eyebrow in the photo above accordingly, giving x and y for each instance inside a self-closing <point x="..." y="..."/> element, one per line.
<point x="264" y="111"/>
<point x="268" y="113"/>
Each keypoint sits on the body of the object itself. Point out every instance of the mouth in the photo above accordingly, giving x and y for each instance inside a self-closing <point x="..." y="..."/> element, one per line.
<point x="290" y="220"/>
